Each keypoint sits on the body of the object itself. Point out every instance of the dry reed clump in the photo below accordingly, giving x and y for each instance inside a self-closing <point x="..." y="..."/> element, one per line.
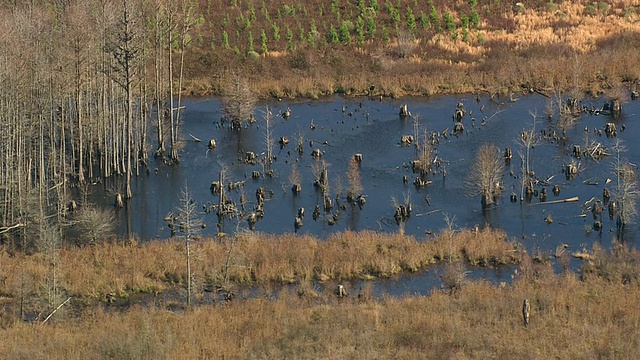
<point x="109" y="269"/>
<point x="479" y="247"/>
<point x="620" y="265"/>
<point x="570" y="318"/>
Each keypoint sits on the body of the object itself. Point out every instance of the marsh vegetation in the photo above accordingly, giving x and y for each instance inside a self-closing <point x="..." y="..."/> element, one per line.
<point x="98" y="106"/>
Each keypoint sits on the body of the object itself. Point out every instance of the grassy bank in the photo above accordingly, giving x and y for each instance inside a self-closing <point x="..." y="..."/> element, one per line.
<point x="570" y="318"/>
<point x="591" y="315"/>
<point x="91" y="273"/>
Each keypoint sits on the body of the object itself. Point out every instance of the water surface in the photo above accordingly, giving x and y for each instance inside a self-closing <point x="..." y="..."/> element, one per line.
<point x="342" y="127"/>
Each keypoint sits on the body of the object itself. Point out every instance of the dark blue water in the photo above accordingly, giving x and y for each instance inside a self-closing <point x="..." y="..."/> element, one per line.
<point x="343" y="127"/>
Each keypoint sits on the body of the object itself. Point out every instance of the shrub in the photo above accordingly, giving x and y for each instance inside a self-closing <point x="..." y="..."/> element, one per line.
<point x="434" y="18"/>
<point x="424" y="20"/>
<point x="449" y="22"/>
<point x="225" y="40"/>
<point x="411" y="19"/>
<point x="344" y="34"/>
<point x="333" y="35"/>
<point x="263" y="41"/>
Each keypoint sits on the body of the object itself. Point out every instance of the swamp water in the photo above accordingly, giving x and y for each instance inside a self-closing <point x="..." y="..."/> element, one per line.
<point x="341" y="127"/>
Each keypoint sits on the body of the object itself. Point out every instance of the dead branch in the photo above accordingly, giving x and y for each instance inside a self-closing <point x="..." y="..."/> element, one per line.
<point x="56" y="309"/>
<point x="573" y="199"/>
<point x="9" y="228"/>
<point x="429" y="212"/>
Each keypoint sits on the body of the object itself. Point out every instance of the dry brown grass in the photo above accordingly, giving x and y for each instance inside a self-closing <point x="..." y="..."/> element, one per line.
<point x="539" y="47"/>
<point x="92" y="272"/>
<point x="570" y="318"/>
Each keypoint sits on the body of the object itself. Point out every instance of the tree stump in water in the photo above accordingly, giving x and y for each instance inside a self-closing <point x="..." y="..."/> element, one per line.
<point x="328" y="204"/>
<point x="118" y="202"/>
<point x="215" y="187"/>
<point x="597" y="225"/>
<point x="212" y="144"/>
<point x="597" y="209"/>
<point x="458" y="128"/>
<point x="610" y="129"/>
<point x="571" y="171"/>
<point x="250" y="157"/>
<point x="406" y="140"/>
<point x="260" y="195"/>
<point x="508" y="155"/>
<point x="404" y="110"/>
<point x="615" y="108"/>
<point x="613" y="209"/>
<point x="283" y="141"/>
<point x="361" y="200"/>
<point x="287" y="113"/>
<point x="606" y="195"/>
<point x="577" y="152"/>
<point x="297" y="223"/>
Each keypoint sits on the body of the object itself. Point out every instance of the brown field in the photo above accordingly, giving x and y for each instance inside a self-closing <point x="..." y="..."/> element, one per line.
<point x="90" y="273"/>
<point x="593" y="316"/>
<point x="561" y="46"/>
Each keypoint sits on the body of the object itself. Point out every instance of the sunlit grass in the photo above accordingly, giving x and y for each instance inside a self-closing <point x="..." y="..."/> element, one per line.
<point x="570" y="318"/>
<point x="92" y="272"/>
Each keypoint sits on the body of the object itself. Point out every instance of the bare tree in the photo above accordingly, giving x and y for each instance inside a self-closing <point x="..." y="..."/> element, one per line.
<point x="181" y="18"/>
<point x="267" y="115"/>
<point x="406" y="43"/>
<point x="190" y="225"/>
<point x="528" y="140"/>
<point x="125" y="51"/>
<point x="92" y="224"/>
<point x="49" y="243"/>
<point x="160" y="29"/>
<point x="485" y="178"/>
<point x="238" y="102"/>
<point x="294" y="179"/>
<point x="626" y="192"/>
<point x="424" y="156"/>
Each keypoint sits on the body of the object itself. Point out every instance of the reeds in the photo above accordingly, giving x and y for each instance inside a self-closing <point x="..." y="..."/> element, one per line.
<point x="91" y="272"/>
<point x="569" y="318"/>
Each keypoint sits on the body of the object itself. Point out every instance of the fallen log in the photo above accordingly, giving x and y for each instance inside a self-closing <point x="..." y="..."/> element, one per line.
<point x="573" y="199"/>
<point x="429" y="212"/>
<point x="195" y="138"/>
<point x="56" y="309"/>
